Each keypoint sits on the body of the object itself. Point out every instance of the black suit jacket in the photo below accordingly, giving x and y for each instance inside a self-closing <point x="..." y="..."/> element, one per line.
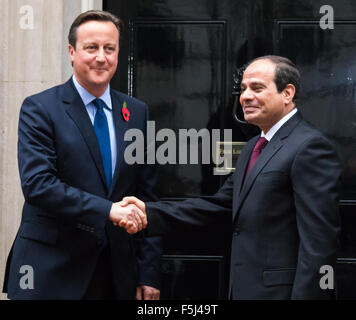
<point x="284" y="216"/>
<point x="65" y="224"/>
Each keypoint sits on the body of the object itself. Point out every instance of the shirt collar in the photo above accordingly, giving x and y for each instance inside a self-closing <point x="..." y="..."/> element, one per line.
<point x="271" y="132"/>
<point x="87" y="97"/>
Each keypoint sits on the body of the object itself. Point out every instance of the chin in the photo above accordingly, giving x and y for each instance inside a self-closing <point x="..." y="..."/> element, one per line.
<point x="251" y="120"/>
<point x="248" y="118"/>
<point x="100" y="81"/>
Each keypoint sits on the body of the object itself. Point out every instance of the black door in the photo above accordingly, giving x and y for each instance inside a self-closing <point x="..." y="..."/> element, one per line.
<point x="184" y="59"/>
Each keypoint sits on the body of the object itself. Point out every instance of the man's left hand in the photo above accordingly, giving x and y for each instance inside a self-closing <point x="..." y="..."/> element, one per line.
<point x="147" y="293"/>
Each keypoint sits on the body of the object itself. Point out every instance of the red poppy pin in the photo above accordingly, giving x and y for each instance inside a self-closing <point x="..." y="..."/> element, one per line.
<point x="125" y="112"/>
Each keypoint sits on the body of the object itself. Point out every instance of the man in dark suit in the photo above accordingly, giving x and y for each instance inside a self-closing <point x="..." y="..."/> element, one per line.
<point x="71" y="161"/>
<point x="283" y="196"/>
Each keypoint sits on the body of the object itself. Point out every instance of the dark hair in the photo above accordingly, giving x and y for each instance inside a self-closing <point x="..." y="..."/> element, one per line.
<point x="92" y="15"/>
<point x="285" y="73"/>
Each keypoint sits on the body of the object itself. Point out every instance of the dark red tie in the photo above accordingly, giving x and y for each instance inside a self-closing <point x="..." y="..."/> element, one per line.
<point x="261" y="143"/>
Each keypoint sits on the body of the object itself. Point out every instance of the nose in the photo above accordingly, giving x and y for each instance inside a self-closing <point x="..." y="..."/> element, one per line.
<point x="246" y="95"/>
<point x="100" y="57"/>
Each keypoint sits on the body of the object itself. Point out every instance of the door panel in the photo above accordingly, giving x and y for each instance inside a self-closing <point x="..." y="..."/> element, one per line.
<point x="328" y="67"/>
<point x="186" y="75"/>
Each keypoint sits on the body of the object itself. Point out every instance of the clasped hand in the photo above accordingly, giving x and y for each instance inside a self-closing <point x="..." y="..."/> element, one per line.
<point x="130" y="214"/>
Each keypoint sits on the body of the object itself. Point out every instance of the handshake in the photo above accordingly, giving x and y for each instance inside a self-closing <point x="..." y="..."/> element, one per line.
<point x="130" y="214"/>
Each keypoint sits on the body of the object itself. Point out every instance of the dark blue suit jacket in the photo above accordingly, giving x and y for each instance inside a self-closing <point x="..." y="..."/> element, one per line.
<point x="65" y="224"/>
<point x="285" y="221"/>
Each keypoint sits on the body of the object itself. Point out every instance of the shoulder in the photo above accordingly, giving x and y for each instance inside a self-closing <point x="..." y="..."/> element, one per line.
<point x="48" y="93"/>
<point x="52" y="95"/>
<point x="311" y="143"/>
<point x="44" y="101"/>
<point x="305" y="132"/>
<point x="301" y="137"/>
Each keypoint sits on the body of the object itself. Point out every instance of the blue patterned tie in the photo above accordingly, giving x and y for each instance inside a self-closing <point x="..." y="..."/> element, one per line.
<point x="102" y="133"/>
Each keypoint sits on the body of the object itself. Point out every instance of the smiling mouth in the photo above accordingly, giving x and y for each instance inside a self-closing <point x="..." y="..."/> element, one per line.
<point x="249" y="109"/>
<point x="99" y="70"/>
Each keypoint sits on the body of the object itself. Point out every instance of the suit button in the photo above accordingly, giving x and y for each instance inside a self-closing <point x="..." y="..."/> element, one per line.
<point x="236" y="231"/>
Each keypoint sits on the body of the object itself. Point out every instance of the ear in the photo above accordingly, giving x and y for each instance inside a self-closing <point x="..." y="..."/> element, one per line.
<point x="288" y="93"/>
<point x="71" y="51"/>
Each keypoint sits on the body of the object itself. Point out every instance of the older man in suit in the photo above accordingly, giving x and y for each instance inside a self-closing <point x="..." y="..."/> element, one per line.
<point x="282" y="198"/>
<point x="71" y="161"/>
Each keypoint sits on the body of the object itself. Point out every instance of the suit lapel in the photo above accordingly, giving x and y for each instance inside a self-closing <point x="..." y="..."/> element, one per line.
<point x="241" y="167"/>
<point x="120" y="128"/>
<point x="75" y="108"/>
<point x="268" y="152"/>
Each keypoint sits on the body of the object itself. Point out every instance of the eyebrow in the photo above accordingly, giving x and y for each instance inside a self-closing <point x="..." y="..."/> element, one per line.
<point x="255" y="83"/>
<point x="94" y="42"/>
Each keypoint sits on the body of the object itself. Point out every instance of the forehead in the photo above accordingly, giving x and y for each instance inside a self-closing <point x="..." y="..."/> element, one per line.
<point x="259" y="71"/>
<point x="97" y="29"/>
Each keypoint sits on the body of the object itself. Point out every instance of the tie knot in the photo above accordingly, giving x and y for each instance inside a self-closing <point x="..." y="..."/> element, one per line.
<point x="261" y="143"/>
<point x="100" y="104"/>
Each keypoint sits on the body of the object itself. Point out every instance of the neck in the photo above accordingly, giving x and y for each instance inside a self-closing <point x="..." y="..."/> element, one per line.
<point x="287" y="110"/>
<point x="96" y="90"/>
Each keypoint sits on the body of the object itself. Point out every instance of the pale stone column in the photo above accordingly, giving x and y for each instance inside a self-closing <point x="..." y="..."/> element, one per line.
<point x="33" y="57"/>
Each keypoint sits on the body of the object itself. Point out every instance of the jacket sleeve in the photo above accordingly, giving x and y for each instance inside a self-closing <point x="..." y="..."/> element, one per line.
<point x="316" y="179"/>
<point x="40" y="183"/>
<point x="166" y="216"/>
